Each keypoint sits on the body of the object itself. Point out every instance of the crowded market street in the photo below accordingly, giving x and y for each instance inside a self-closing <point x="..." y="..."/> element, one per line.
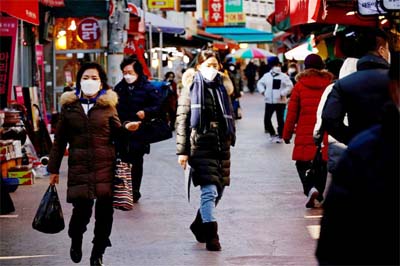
<point x="262" y="217"/>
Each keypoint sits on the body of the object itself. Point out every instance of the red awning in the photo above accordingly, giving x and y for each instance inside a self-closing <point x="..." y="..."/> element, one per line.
<point x="26" y="10"/>
<point x="53" y="3"/>
<point x="337" y="15"/>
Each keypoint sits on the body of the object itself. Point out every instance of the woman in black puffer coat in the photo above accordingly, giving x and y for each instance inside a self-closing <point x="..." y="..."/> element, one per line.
<point x="205" y="132"/>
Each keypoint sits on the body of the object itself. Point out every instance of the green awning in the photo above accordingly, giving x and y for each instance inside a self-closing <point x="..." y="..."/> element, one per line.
<point x="242" y="34"/>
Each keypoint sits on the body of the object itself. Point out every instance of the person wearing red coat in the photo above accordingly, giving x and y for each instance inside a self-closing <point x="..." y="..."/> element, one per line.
<point x="301" y="118"/>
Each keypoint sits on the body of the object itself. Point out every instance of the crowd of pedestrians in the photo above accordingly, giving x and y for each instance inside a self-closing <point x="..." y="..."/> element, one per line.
<point x="348" y="108"/>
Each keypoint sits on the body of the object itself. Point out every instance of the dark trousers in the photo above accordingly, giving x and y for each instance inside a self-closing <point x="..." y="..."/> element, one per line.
<point x="137" y="171"/>
<point x="279" y="108"/>
<point x="251" y="82"/>
<point x="302" y="168"/>
<point x="80" y="218"/>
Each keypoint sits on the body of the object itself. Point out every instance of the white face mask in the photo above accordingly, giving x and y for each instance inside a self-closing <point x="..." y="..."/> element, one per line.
<point x="130" y="78"/>
<point x="209" y="73"/>
<point x="291" y="70"/>
<point x="276" y="69"/>
<point x="90" y="87"/>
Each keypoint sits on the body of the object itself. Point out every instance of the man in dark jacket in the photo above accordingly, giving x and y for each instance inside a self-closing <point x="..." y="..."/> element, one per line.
<point x="362" y="94"/>
<point x="360" y="225"/>
<point x="138" y="101"/>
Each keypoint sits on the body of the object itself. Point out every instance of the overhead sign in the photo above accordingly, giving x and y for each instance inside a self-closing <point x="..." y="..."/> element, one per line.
<point x="161" y="4"/>
<point x="391" y="4"/>
<point x="187" y="5"/>
<point x="234" y="14"/>
<point x="89" y="30"/>
<point x="370" y="7"/>
<point x="26" y="10"/>
<point x="216" y="12"/>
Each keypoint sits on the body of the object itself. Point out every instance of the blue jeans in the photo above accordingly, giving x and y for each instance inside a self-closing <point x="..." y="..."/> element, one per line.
<point x="208" y="198"/>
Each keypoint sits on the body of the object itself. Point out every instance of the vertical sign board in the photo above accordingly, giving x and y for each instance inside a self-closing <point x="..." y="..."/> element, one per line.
<point x="216" y="12"/>
<point x="40" y="64"/>
<point x="234" y="14"/>
<point x="8" y="34"/>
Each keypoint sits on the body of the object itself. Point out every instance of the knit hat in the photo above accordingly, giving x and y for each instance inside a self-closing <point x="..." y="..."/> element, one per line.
<point x="273" y="61"/>
<point x="314" y="61"/>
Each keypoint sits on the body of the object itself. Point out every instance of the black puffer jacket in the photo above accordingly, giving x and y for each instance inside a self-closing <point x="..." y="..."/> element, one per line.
<point x="140" y="95"/>
<point x="91" y="149"/>
<point x="361" y="96"/>
<point x="208" y="151"/>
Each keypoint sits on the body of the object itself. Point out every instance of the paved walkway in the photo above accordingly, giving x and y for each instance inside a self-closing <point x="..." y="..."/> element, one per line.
<point x="262" y="217"/>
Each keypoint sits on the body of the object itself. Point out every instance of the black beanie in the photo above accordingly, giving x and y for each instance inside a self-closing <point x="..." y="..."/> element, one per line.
<point x="314" y="61"/>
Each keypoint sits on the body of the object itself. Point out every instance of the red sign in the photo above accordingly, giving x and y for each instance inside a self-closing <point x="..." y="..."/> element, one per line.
<point x="89" y="30"/>
<point x="281" y="10"/>
<point x="304" y="11"/>
<point x="8" y="34"/>
<point x="216" y="12"/>
<point x="27" y="10"/>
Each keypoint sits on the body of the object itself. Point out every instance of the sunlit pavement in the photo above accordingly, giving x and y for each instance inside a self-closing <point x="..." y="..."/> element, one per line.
<point x="262" y="218"/>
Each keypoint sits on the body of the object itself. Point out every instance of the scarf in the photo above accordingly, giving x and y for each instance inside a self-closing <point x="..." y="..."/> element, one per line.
<point x="91" y="100"/>
<point x="197" y="105"/>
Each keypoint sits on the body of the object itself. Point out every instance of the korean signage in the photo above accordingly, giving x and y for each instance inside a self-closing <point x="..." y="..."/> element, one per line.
<point x="8" y="34"/>
<point x="161" y="4"/>
<point x="26" y="10"/>
<point x="234" y="14"/>
<point x="89" y="30"/>
<point x="216" y="12"/>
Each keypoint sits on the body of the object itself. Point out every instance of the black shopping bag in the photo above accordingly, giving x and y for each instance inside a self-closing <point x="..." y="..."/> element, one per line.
<point x="49" y="218"/>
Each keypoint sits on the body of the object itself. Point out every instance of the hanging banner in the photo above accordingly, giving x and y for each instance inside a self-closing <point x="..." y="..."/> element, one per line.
<point x="369" y="8"/>
<point x="40" y="74"/>
<point x="8" y="35"/>
<point x="216" y="12"/>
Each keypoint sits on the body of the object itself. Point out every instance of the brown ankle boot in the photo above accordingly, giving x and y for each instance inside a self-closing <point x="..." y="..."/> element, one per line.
<point x="197" y="228"/>
<point x="212" y="239"/>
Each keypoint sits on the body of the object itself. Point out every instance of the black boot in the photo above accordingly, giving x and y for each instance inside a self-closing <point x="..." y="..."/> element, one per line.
<point x="75" y="251"/>
<point x="96" y="258"/>
<point x="197" y="228"/>
<point x="212" y="239"/>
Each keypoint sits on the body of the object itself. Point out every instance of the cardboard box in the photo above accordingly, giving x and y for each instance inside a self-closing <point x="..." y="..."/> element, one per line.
<point x="24" y="174"/>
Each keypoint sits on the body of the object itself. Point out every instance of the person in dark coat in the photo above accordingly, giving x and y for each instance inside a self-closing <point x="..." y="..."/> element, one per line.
<point x="205" y="132"/>
<point x="172" y="99"/>
<point x="139" y="100"/>
<point x="301" y="117"/>
<point x="360" y="225"/>
<point x="250" y="72"/>
<point x="88" y="123"/>
<point x="362" y="94"/>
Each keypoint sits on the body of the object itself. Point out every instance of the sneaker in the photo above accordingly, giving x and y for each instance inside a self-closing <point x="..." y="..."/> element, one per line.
<point x="278" y="139"/>
<point x="312" y="196"/>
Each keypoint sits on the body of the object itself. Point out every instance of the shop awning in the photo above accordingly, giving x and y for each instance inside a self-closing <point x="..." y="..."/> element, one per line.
<point x="160" y="24"/>
<point x="26" y="10"/>
<point x="242" y="34"/>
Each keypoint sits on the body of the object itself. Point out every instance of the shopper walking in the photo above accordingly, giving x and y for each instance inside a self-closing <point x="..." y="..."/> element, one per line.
<point x="138" y="101"/>
<point x="275" y="86"/>
<point x="301" y="117"/>
<point x="88" y="123"/>
<point x="205" y="132"/>
<point x="366" y="180"/>
<point x="362" y="94"/>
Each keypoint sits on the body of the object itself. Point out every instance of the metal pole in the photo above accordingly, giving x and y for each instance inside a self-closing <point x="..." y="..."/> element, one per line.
<point x="160" y="56"/>
<point x="21" y="45"/>
<point x="150" y="43"/>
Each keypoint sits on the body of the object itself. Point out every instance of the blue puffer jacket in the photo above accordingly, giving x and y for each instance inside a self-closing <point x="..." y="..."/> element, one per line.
<point x="361" y="96"/>
<point x="140" y="95"/>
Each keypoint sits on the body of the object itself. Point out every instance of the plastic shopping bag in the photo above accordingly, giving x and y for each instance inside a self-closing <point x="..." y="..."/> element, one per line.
<point x="49" y="217"/>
